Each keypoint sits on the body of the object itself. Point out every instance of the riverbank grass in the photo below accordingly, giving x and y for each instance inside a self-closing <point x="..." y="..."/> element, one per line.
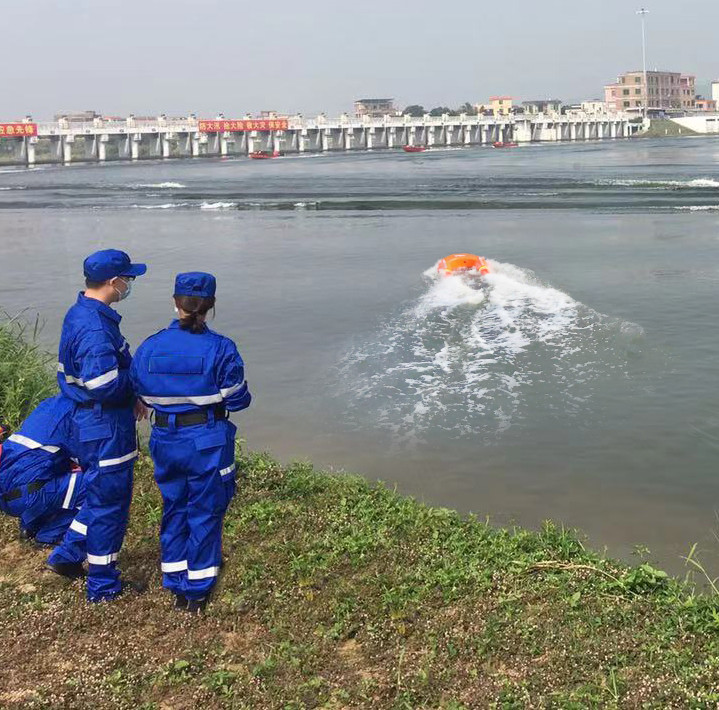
<point x="339" y="593"/>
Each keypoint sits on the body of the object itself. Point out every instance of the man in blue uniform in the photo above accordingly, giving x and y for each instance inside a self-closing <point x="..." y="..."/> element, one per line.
<point x="37" y="480"/>
<point x="93" y="373"/>
<point x="192" y="377"/>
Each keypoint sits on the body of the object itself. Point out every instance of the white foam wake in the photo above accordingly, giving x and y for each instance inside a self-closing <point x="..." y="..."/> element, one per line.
<point x="163" y="185"/>
<point x="708" y="183"/>
<point x="218" y="205"/>
<point x="165" y="206"/>
<point x="476" y="356"/>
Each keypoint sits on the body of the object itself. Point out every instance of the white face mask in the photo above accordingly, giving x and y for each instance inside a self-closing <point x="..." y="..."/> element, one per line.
<point x="122" y="295"/>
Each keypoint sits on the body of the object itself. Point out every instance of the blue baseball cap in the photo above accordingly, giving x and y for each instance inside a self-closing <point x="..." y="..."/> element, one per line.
<point x="109" y="263"/>
<point x="195" y="283"/>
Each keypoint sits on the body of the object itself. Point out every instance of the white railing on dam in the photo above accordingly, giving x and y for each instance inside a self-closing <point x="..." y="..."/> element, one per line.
<point x="66" y="141"/>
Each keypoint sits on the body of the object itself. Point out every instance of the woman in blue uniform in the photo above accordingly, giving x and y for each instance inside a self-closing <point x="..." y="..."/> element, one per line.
<point x="192" y="377"/>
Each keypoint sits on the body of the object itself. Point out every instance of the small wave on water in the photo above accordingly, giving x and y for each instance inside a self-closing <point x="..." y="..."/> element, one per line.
<point x="162" y="185"/>
<point x="698" y="208"/>
<point x="473" y="357"/>
<point x="218" y="205"/>
<point x="697" y="183"/>
<point x="164" y="206"/>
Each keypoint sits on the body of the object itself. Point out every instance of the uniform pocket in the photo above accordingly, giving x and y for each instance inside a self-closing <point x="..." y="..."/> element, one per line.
<point x="176" y="365"/>
<point x="212" y="440"/>
<point x="96" y="432"/>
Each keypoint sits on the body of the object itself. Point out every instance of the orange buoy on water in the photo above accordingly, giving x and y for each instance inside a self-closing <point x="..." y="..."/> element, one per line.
<point x="459" y="263"/>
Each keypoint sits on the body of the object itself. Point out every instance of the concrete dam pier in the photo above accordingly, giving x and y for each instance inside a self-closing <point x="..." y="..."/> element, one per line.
<point x="64" y="142"/>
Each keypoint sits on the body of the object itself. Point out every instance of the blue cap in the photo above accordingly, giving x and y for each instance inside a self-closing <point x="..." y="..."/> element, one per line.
<point x="195" y="283"/>
<point x="109" y="263"/>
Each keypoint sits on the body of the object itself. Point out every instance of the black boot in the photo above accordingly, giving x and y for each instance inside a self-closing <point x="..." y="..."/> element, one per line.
<point x="70" y="570"/>
<point x="24" y="534"/>
<point x="181" y="602"/>
<point x="126" y="588"/>
<point x="196" y="606"/>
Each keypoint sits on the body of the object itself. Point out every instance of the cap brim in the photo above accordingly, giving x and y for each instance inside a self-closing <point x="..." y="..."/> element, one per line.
<point x="135" y="270"/>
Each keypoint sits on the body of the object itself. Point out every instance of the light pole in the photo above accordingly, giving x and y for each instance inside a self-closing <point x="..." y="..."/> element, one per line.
<point x="643" y="13"/>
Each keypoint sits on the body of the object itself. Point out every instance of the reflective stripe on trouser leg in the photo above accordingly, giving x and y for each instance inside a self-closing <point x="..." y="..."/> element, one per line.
<point x="206" y="507"/>
<point x="172" y="483"/>
<point x="108" y="497"/>
<point x="60" y="500"/>
<point x="73" y="547"/>
<point x="228" y="481"/>
<point x="53" y="527"/>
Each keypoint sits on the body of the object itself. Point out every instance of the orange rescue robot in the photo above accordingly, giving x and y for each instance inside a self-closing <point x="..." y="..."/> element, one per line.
<point x="463" y="263"/>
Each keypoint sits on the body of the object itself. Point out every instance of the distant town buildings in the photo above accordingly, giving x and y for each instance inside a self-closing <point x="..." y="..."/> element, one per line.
<point x="593" y="107"/>
<point x="542" y="106"/>
<point x="703" y="104"/>
<point x="375" y="108"/>
<point x="77" y="116"/>
<point x="501" y="105"/>
<point x="663" y="90"/>
<point x="715" y="90"/>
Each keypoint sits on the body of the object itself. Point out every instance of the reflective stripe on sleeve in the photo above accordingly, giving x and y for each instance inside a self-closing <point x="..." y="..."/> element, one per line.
<point x="31" y="444"/>
<point x="78" y="527"/>
<point x="101" y="380"/>
<point x="101" y="559"/>
<point x="92" y="384"/>
<point x="227" y="471"/>
<point x="122" y="459"/>
<point x="229" y="391"/>
<point x="70" y="491"/>
<point x="203" y="573"/>
<point x="174" y="566"/>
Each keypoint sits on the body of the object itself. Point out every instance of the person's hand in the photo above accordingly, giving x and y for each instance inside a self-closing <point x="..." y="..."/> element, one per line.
<point x="140" y="410"/>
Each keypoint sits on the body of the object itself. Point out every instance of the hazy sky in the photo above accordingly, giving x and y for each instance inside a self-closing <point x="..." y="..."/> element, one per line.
<point x="177" y="56"/>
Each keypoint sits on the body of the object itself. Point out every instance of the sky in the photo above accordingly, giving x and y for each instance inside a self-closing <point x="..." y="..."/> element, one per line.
<point x="236" y="56"/>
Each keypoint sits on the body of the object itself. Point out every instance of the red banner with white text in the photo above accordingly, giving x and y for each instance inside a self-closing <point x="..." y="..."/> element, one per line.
<point x="263" y="124"/>
<point x="17" y="130"/>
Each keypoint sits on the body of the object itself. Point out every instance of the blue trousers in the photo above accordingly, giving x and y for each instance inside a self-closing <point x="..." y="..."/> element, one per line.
<point x="106" y="446"/>
<point x="45" y="514"/>
<point x="195" y="472"/>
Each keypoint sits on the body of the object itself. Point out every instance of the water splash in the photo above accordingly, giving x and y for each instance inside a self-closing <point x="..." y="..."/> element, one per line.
<point x="479" y="355"/>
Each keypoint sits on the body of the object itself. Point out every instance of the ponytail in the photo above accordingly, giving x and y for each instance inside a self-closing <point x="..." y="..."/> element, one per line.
<point x="196" y="309"/>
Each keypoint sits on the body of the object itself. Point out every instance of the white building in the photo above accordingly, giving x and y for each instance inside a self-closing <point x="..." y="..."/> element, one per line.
<point x="715" y="90"/>
<point x="595" y="107"/>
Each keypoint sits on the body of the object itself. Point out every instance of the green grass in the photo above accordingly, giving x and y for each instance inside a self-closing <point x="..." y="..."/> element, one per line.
<point x="25" y="377"/>
<point x="665" y="128"/>
<point x="339" y="593"/>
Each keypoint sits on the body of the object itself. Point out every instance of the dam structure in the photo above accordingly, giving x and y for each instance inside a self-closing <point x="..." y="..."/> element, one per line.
<point x="64" y="141"/>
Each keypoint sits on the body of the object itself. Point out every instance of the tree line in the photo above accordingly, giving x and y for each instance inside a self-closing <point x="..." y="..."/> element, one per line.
<point x="417" y="110"/>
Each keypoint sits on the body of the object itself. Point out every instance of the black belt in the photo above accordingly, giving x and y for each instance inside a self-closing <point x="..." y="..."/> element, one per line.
<point x="90" y="404"/>
<point x="16" y="493"/>
<point x="201" y="416"/>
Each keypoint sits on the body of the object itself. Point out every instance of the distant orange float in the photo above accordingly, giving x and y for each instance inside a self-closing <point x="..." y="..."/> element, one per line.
<point x="460" y="263"/>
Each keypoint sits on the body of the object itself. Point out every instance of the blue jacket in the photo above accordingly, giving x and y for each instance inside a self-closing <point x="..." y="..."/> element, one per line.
<point x="41" y="448"/>
<point x="178" y="371"/>
<point x="94" y="359"/>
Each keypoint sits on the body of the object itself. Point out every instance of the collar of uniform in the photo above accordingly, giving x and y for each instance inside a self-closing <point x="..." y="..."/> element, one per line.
<point x="176" y="324"/>
<point x="99" y="306"/>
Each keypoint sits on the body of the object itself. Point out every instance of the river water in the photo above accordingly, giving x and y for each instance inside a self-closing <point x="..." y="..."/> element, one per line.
<point x="578" y="382"/>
